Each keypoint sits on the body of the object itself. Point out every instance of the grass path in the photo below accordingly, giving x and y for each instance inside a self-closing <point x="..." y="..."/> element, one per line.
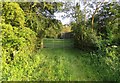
<point x="58" y="64"/>
<point x="52" y="64"/>
<point x="75" y="62"/>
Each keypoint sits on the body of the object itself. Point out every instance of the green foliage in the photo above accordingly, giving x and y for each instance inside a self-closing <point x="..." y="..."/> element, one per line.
<point x="51" y="65"/>
<point x="84" y="37"/>
<point x="90" y="39"/>
<point x="54" y="28"/>
<point x="107" y="64"/>
<point x="16" y="38"/>
<point x="109" y="42"/>
<point x="23" y="24"/>
<point x="41" y="66"/>
<point x="13" y="14"/>
<point x="35" y="22"/>
<point x="16" y="41"/>
<point x="107" y="22"/>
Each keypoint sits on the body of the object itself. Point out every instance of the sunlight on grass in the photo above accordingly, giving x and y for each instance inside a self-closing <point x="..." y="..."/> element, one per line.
<point x="73" y="61"/>
<point x="53" y="64"/>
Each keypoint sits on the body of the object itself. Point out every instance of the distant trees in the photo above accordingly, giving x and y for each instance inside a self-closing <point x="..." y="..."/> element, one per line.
<point x="38" y="14"/>
<point x="104" y="24"/>
<point x="40" y="18"/>
<point x="54" y="29"/>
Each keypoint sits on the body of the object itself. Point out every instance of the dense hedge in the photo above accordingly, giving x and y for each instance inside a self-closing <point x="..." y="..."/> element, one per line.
<point x="12" y="14"/>
<point x="16" y="41"/>
<point x="16" y="38"/>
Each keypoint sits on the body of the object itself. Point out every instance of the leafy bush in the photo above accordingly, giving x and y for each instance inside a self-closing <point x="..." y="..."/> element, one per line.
<point x="90" y="38"/>
<point x="85" y="38"/>
<point x="107" y="62"/>
<point x="41" y="66"/>
<point x="16" y="41"/>
<point x="13" y="14"/>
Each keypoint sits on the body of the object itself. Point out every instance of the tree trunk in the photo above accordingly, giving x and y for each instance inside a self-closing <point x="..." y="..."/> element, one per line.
<point x="92" y="22"/>
<point x="96" y="10"/>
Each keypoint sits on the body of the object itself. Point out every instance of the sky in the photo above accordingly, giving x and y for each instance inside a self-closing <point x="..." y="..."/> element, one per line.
<point x="66" y="20"/>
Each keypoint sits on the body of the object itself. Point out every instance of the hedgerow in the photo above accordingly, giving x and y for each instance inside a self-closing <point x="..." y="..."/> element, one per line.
<point x="16" y="38"/>
<point x="16" y="41"/>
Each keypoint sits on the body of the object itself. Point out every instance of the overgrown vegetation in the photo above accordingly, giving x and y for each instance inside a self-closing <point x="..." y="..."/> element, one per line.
<point x="51" y="64"/>
<point x="16" y="39"/>
<point x="103" y="38"/>
<point x="24" y="25"/>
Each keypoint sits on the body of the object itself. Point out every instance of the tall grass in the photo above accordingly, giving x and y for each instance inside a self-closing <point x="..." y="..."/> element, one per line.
<point x="51" y="64"/>
<point x="56" y="64"/>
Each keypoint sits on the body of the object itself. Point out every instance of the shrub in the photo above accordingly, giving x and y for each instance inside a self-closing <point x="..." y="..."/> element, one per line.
<point x="107" y="61"/>
<point x="16" y="41"/>
<point x="90" y="39"/>
<point x="85" y="39"/>
<point x="35" y="68"/>
<point x="13" y="14"/>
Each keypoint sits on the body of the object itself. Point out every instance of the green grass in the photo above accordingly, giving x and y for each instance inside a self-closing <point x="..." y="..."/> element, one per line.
<point x="51" y="64"/>
<point x="57" y="43"/>
<point x="75" y="62"/>
<point x="55" y="64"/>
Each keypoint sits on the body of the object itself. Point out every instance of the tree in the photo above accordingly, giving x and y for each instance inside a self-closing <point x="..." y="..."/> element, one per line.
<point x="107" y="21"/>
<point x="39" y="17"/>
<point x="39" y="12"/>
<point x="54" y="29"/>
<point x="98" y="5"/>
